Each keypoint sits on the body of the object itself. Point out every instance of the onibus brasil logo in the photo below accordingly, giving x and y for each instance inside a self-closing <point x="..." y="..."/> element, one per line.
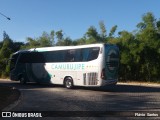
<point x="21" y="114"/>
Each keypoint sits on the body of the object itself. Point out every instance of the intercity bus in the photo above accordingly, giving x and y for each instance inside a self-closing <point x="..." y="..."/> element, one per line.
<point x="91" y="65"/>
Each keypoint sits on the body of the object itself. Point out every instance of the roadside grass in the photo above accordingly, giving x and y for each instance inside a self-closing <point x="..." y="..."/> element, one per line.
<point x="7" y="96"/>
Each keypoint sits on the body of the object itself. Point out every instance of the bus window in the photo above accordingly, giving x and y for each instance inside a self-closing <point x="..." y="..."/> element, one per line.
<point x="90" y="53"/>
<point x="70" y="55"/>
<point x="49" y="56"/>
<point x="94" y="52"/>
<point x="32" y="57"/>
<point x="85" y="54"/>
<point x="60" y="56"/>
<point x="78" y="55"/>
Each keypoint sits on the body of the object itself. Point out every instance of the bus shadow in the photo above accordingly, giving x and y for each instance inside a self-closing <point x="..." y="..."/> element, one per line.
<point x="118" y="88"/>
<point x="123" y="88"/>
<point x="30" y="85"/>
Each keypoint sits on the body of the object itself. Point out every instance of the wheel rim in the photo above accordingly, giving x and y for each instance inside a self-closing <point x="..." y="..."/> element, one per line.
<point x="68" y="84"/>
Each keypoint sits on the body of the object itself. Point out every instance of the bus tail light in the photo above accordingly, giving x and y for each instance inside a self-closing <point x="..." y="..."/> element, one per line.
<point x="103" y="73"/>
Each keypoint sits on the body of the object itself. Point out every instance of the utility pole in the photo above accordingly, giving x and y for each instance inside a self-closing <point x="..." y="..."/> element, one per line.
<point x="5" y="16"/>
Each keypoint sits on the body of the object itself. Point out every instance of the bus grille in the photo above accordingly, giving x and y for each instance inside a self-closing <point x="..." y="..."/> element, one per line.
<point x="90" y="78"/>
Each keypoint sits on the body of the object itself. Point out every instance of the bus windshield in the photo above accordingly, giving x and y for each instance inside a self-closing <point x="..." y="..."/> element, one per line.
<point x="13" y="61"/>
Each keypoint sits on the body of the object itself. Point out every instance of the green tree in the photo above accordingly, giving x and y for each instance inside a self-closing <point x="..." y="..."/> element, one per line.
<point x="103" y="31"/>
<point x="7" y="46"/>
<point x="31" y="43"/>
<point x="126" y="39"/>
<point x="81" y="41"/>
<point x="59" y="36"/>
<point x="92" y="35"/>
<point x="148" y="21"/>
<point x="17" y="46"/>
<point x="66" y="42"/>
<point x="112" y="31"/>
<point x="52" y="35"/>
<point x="46" y="40"/>
<point x="5" y="52"/>
<point x="149" y="38"/>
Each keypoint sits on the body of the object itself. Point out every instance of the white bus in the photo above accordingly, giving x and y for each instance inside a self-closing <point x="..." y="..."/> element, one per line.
<point x="84" y="65"/>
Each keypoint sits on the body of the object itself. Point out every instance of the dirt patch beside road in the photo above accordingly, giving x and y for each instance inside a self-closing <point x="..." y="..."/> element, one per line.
<point x="140" y="83"/>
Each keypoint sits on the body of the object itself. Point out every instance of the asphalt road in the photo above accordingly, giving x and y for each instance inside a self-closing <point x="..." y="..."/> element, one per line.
<point x="36" y="97"/>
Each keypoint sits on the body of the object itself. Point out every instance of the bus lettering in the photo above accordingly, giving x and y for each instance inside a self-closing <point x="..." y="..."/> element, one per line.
<point x="68" y="66"/>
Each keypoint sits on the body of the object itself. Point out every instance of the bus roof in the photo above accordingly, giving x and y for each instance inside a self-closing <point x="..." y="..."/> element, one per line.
<point x="20" y="51"/>
<point x="42" y="49"/>
<point x="65" y="47"/>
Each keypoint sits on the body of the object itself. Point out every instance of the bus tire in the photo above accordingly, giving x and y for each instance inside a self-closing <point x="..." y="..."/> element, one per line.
<point x="22" y="80"/>
<point x="68" y="83"/>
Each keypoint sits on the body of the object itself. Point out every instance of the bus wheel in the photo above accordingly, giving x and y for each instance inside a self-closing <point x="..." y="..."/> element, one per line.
<point x="22" y="80"/>
<point x="68" y="83"/>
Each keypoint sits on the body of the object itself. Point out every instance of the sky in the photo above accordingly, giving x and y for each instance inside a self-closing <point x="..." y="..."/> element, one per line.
<point x="30" y="18"/>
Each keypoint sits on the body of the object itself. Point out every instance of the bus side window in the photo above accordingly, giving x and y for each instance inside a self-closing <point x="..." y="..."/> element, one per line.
<point x="54" y="56"/>
<point x="85" y="54"/>
<point x="78" y="55"/>
<point x="93" y="53"/>
<point x="32" y="57"/>
<point x="70" y="56"/>
<point x="49" y="56"/>
<point x="60" y="56"/>
<point x="90" y="53"/>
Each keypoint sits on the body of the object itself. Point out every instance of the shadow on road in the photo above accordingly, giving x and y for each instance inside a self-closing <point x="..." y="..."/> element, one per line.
<point x="126" y="88"/>
<point x="117" y="88"/>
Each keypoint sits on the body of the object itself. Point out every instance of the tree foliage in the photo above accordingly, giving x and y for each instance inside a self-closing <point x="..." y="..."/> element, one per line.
<point x="7" y="47"/>
<point x="140" y="51"/>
